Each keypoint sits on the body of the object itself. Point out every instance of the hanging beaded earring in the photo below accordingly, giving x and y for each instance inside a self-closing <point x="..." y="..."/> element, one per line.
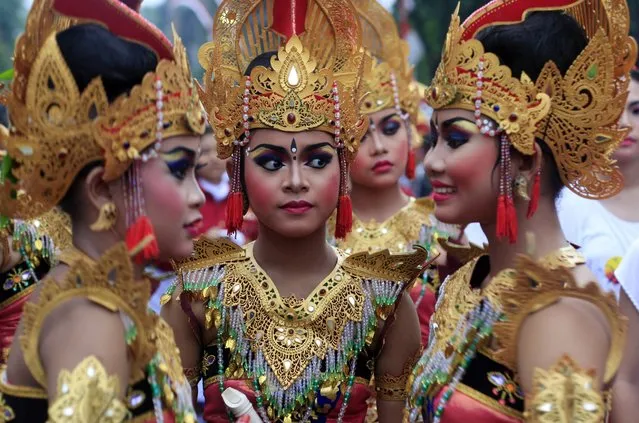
<point x="140" y="234"/>
<point x="344" y="220"/>
<point x="235" y="203"/>
<point x="506" y="214"/>
<point x="410" y="163"/>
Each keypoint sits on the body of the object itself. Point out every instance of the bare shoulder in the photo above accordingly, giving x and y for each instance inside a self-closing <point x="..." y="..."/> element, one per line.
<point x="79" y="328"/>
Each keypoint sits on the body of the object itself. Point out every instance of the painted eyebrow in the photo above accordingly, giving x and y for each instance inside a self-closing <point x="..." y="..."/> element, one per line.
<point x="270" y="147"/>
<point x="177" y="150"/>
<point x="316" y="146"/>
<point x="388" y="117"/>
<point x="449" y="122"/>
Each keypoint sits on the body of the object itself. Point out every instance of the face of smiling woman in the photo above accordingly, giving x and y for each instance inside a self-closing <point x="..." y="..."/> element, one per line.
<point x="292" y="180"/>
<point x="461" y="167"/>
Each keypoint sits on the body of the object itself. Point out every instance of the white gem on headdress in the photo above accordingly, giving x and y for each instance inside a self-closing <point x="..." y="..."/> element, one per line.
<point x="293" y="77"/>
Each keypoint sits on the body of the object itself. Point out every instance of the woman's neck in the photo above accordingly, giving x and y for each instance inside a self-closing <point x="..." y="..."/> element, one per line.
<point x="296" y="265"/>
<point x="537" y="236"/>
<point x="95" y="244"/>
<point x="379" y="204"/>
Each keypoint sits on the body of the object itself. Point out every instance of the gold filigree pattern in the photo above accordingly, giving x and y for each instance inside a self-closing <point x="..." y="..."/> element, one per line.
<point x="393" y="388"/>
<point x="398" y="233"/>
<point x="459" y="298"/>
<point x="514" y="104"/>
<point x="390" y="61"/>
<point x="462" y="253"/>
<point x="108" y="282"/>
<point x="56" y="130"/>
<point x="290" y="335"/>
<point x="87" y="393"/>
<point x="295" y="94"/>
<point x="535" y="285"/>
<point x="565" y="393"/>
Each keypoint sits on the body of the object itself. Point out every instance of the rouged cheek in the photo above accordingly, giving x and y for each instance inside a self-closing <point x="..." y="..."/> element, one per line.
<point x="473" y="167"/>
<point x="260" y="188"/>
<point x="361" y="167"/>
<point x="164" y="199"/>
<point x="328" y="192"/>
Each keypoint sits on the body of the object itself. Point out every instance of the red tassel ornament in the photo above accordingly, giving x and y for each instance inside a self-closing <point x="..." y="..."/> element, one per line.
<point x="410" y="164"/>
<point x="534" y="197"/>
<point x="344" y="221"/>
<point x="234" y="212"/>
<point x="141" y="241"/>
<point x="511" y="220"/>
<point x="501" y="216"/>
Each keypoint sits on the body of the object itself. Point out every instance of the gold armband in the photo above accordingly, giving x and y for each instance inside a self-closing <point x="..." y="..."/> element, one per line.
<point x="87" y="394"/>
<point x="565" y="393"/>
<point x="193" y="375"/>
<point x="393" y="388"/>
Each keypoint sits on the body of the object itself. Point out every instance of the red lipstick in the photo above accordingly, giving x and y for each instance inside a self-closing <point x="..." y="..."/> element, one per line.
<point x="297" y="207"/>
<point x="442" y="191"/>
<point x="382" y="166"/>
<point x="194" y="229"/>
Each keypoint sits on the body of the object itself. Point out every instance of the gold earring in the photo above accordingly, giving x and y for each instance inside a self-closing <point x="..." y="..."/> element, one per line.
<point x="106" y="220"/>
<point x="521" y="187"/>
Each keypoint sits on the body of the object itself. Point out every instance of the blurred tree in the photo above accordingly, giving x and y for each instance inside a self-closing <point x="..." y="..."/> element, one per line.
<point x="430" y="19"/>
<point x="12" y="16"/>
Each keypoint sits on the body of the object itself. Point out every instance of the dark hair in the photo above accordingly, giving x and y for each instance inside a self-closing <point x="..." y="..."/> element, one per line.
<point x="4" y="116"/>
<point x="634" y="74"/>
<point x="91" y="51"/>
<point x="526" y="47"/>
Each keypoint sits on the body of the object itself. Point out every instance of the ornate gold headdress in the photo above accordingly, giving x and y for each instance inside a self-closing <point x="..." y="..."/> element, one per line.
<point x="57" y="130"/>
<point x="576" y="115"/>
<point x="312" y="82"/>
<point x="389" y="83"/>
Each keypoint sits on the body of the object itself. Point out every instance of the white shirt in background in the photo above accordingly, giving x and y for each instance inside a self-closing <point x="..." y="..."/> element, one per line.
<point x="628" y="273"/>
<point x="602" y="236"/>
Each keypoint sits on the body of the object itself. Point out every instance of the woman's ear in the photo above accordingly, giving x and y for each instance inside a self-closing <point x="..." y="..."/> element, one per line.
<point x="97" y="191"/>
<point x="527" y="166"/>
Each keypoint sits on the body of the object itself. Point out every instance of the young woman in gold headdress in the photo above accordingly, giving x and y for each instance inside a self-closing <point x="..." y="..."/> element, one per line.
<point x="384" y="217"/>
<point x="295" y="324"/>
<point x="106" y="123"/>
<point x="525" y="103"/>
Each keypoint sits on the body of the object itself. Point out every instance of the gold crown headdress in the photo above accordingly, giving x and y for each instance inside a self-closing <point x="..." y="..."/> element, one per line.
<point x="312" y="82"/>
<point x="576" y="115"/>
<point x="57" y="130"/>
<point x="389" y="82"/>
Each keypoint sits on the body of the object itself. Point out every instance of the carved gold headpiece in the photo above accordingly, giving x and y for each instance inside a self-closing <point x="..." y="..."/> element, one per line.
<point x="580" y="124"/>
<point x="389" y="83"/>
<point x="466" y="70"/>
<point x="57" y="130"/>
<point x="311" y="83"/>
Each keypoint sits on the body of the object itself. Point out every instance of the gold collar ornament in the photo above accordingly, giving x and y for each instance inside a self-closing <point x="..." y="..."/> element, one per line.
<point x="311" y="83"/>
<point x="576" y="114"/>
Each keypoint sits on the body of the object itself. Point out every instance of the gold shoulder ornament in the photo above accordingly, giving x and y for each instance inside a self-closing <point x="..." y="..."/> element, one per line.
<point x="87" y="394"/>
<point x="108" y="282"/>
<point x="565" y="393"/>
<point x="536" y="285"/>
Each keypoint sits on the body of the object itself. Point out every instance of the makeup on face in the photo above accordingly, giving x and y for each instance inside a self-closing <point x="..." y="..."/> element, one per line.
<point x="179" y="161"/>
<point x="389" y="125"/>
<point x="272" y="158"/>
